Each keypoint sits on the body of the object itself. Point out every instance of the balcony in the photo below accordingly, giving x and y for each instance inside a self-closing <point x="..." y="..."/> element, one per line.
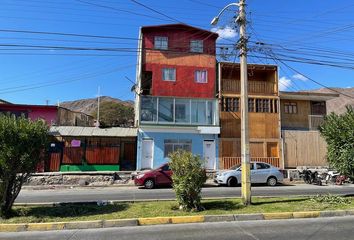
<point x="254" y="87"/>
<point x="315" y="121"/>
<point x="178" y="111"/>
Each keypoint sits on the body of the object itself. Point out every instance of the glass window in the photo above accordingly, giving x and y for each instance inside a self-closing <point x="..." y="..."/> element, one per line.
<point x="196" y="46"/>
<point x="182" y="110"/>
<point x="201" y="76"/>
<point x="209" y="112"/>
<point x="262" y="166"/>
<point x="161" y="43"/>
<point x="290" y="108"/>
<point x="148" y="109"/>
<point x="199" y="112"/>
<point x="165" y="110"/>
<point x="169" y="74"/>
<point x="172" y="145"/>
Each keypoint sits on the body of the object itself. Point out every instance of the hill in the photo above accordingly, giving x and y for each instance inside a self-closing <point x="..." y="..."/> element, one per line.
<point x="89" y="105"/>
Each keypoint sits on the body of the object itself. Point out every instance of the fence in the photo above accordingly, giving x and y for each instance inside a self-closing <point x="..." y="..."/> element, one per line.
<point x="228" y="162"/>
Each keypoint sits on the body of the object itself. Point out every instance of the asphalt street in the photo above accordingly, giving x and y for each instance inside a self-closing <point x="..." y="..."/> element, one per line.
<point x="134" y="193"/>
<point x="339" y="228"/>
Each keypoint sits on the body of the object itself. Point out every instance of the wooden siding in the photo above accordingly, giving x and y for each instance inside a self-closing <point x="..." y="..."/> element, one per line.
<point x="53" y="164"/>
<point x="304" y="148"/>
<point x="228" y="162"/>
<point x="261" y="125"/>
<point x="299" y="120"/>
<point x="254" y="87"/>
<point x="102" y="155"/>
<point x="72" y="155"/>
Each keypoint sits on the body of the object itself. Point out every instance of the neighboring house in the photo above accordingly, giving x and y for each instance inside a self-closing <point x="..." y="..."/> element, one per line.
<point x="263" y="117"/>
<point x="91" y="149"/>
<point x="52" y="115"/>
<point x="176" y="107"/>
<point x="3" y="101"/>
<point x="301" y="115"/>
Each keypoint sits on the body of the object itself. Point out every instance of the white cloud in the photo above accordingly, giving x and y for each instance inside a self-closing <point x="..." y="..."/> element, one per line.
<point x="284" y="83"/>
<point x="300" y="77"/>
<point x="226" y="32"/>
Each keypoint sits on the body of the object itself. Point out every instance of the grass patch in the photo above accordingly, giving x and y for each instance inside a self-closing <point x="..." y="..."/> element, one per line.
<point x="80" y="212"/>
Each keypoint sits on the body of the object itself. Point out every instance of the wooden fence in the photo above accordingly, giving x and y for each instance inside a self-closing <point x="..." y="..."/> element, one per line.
<point x="102" y="155"/>
<point x="228" y="162"/>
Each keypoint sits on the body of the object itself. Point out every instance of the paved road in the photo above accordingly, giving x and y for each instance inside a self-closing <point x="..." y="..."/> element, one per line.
<point x="338" y="228"/>
<point x="133" y="193"/>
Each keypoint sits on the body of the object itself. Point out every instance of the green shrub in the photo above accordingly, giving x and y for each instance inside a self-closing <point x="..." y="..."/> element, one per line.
<point x="22" y="142"/>
<point x="188" y="178"/>
<point x="330" y="199"/>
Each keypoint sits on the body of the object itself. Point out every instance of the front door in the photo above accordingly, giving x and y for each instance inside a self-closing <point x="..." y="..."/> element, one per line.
<point x="209" y="153"/>
<point x="146" y="154"/>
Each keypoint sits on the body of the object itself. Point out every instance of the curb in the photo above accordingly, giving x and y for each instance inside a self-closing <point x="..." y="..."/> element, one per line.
<point x="169" y="220"/>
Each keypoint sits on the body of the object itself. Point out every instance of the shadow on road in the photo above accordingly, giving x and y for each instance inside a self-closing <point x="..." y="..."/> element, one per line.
<point x="271" y="201"/>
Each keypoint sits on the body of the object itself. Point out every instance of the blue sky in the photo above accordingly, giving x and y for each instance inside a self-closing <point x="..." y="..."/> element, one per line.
<point x="301" y="30"/>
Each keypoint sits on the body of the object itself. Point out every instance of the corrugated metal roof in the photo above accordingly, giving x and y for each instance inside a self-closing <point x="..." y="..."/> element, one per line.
<point x="92" y="131"/>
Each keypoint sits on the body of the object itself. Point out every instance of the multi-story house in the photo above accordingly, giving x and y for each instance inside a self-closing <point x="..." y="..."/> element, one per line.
<point x="283" y="126"/>
<point x="264" y="118"/>
<point x="301" y="115"/>
<point x="176" y="105"/>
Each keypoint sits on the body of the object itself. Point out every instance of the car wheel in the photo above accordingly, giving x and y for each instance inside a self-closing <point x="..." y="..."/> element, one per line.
<point x="232" y="182"/>
<point x="149" y="184"/>
<point x="272" y="181"/>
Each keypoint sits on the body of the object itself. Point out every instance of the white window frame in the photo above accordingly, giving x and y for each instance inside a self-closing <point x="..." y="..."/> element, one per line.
<point x="161" y="42"/>
<point x="196" y="72"/>
<point x="196" y="46"/>
<point x="168" y="69"/>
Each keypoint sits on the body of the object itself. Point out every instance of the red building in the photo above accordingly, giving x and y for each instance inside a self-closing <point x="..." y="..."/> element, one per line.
<point x="176" y="105"/>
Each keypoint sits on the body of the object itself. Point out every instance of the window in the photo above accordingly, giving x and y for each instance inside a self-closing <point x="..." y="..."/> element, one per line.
<point x="318" y="108"/>
<point x="196" y="46"/>
<point x="290" y="108"/>
<point x="148" y="109"/>
<point x="169" y="74"/>
<point x="182" y="110"/>
<point x="166" y="168"/>
<point x="201" y="76"/>
<point x="172" y="145"/>
<point x="230" y="105"/>
<point x="161" y="43"/>
<point x="262" y="105"/>
<point x="199" y="112"/>
<point x="165" y="110"/>
<point x="262" y="166"/>
<point x="251" y="105"/>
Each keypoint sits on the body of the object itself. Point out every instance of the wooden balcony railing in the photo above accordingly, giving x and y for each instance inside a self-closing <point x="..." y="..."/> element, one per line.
<point x="254" y="87"/>
<point x="227" y="162"/>
<point x="315" y="121"/>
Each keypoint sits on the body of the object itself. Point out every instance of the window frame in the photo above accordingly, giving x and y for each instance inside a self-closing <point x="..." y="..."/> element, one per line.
<point x="169" y="69"/>
<point x="177" y="144"/>
<point x="160" y="40"/>
<point x="196" y="46"/>
<point x="290" y="108"/>
<point x="200" y="71"/>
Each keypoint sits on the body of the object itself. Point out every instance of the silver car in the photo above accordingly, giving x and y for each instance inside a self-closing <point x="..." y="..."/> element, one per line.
<point x="260" y="173"/>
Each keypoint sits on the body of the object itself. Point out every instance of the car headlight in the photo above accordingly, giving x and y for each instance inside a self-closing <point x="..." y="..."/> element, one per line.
<point x="140" y="176"/>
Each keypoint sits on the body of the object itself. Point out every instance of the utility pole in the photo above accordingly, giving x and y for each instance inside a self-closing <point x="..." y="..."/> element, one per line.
<point x="245" y="144"/>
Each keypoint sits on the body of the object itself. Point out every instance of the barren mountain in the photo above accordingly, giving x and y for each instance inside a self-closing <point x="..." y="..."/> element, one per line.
<point x="90" y="104"/>
<point x="338" y="104"/>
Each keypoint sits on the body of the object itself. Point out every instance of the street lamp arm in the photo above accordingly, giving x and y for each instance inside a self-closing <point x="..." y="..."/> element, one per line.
<point x="216" y="19"/>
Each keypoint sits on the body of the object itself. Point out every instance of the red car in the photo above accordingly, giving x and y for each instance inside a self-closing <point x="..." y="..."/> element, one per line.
<point x="156" y="177"/>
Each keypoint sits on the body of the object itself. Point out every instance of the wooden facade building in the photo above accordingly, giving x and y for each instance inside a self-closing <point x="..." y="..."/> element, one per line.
<point x="264" y="118"/>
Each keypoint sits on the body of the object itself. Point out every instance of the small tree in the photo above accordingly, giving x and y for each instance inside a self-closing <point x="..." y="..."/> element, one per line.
<point x="114" y="114"/>
<point x="338" y="131"/>
<point x="21" y="144"/>
<point x="188" y="178"/>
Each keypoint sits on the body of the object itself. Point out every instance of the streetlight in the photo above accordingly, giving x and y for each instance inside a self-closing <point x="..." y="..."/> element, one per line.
<point x="245" y="146"/>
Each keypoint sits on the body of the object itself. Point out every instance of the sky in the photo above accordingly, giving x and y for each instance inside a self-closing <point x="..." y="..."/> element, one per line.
<point x="93" y="43"/>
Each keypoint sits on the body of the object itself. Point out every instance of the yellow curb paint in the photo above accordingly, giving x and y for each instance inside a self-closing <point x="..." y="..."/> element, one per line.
<point x="45" y="226"/>
<point x="187" y="219"/>
<point x="283" y="215"/>
<point x="313" y="214"/>
<point x="154" y="221"/>
<point x="12" y="227"/>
